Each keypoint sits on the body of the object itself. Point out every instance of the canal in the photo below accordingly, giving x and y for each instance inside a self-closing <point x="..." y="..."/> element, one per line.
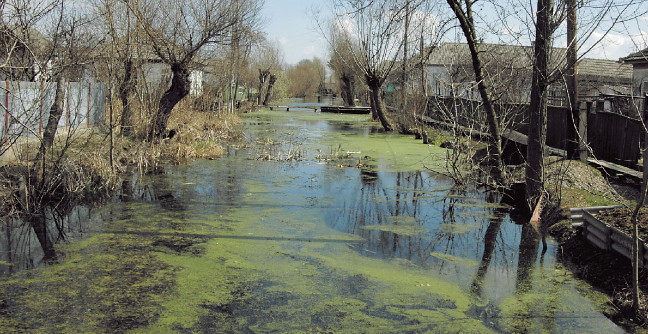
<point x="313" y="223"/>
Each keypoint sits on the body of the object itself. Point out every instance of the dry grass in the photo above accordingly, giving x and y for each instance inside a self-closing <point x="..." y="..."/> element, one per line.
<point x="79" y="167"/>
<point x="199" y="135"/>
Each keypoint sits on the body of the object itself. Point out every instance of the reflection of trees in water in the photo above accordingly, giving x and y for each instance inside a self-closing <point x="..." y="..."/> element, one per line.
<point x="404" y="200"/>
<point x="29" y="241"/>
<point x="454" y="222"/>
<point x="490" y="243"/>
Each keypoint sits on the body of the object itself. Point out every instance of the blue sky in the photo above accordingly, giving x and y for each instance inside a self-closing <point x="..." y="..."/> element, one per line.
<point x="292" y="24"/>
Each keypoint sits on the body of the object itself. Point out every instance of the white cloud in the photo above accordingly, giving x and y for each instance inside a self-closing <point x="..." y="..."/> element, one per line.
<point x="611" y="46"/>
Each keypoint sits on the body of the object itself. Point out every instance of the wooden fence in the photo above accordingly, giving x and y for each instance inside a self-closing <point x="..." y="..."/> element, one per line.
<point x="25" y="107"/>
<point x="612" y="137"/>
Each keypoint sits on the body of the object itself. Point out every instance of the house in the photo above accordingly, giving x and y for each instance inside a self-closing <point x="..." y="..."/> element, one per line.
<point x="508" y="69"/>
<point x="639" y="62"/>
<point x="18" y="47"/>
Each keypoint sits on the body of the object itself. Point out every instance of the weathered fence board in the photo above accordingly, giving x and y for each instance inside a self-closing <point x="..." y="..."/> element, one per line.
<point x="614" y="137"/>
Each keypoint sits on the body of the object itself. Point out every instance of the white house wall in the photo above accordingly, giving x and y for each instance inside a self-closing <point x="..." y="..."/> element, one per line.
<point x="157" y="77"/>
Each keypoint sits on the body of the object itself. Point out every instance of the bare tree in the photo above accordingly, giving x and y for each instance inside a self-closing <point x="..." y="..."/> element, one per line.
<point x="178" y="32"/>
<point x="343" y="65"/>
<point x="121" y="48"/>
<point x="373" y="27"/>
<point x="267" y="60"/>
<point x="464" y="13"/>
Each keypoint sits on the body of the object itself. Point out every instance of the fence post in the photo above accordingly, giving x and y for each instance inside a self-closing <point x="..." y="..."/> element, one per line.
<point x="40" y="109"/>
<point x="582" y="131"/>
<point x="67" y="106"/>
<point x="6" y="115"/>
<point x="89" y="105"/>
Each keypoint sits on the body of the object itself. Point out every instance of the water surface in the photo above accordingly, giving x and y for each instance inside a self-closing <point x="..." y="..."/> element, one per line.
<point x="315" y="223"/>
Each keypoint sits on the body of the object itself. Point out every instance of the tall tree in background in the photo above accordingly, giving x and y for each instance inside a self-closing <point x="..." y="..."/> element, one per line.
<point x="121" y="46"/>
<point x="179" y="31"/>
<point x="267" y="60"/>
<point x="343" y="65"/>
<point x="306" y="77"/>
<point x="372" y="27"/>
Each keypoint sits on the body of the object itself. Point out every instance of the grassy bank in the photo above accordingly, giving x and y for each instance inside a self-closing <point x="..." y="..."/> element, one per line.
<point x="84" y="166"/>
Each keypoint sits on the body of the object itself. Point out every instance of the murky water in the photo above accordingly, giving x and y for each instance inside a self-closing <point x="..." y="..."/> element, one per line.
<point x="317" y="223"/>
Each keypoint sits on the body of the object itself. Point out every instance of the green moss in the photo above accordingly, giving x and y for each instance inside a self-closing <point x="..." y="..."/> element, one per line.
<point x="454" y="259"/>
<point x="406" y="230"/>
<point x="579" y="198"/>
<point x="106" y="283"/>
<point x="393" y="152"/>
<point x="547" y="300"/>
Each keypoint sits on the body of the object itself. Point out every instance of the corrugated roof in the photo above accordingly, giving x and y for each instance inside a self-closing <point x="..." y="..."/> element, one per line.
<point x="520" y="57"/>
<point x="636" y="57"/>
<point x="605" y="68"/>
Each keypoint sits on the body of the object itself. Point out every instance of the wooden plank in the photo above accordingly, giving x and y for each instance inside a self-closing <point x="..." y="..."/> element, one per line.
<point x="615" y="167"/>
<point x="346" y="110"/>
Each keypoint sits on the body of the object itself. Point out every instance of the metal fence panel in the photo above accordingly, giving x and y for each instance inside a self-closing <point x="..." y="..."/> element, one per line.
<point x="26" y="106"/>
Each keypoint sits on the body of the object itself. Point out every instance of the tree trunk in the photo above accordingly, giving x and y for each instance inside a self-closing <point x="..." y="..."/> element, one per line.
<point x="263" y="75"/>
<point x="38" y="223"/>
<point x="635" y="223"/>
<point x="424" y="90"/>
<point x="495" y="142"/>
<point x="403" y="78"/>
<point x="573" y="139"/>
<point x="49" y="133"/>
<point x="348" y="90"/>
<point x="125" y="90"/>
<point x="273" y="79"/>
<point x="378" y="105"/>
<point x="180" y="85"/>
<point x="537" y="112"/>
<point x="372" y="104"/>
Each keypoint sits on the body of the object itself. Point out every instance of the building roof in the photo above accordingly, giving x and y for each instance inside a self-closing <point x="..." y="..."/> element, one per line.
<point x="636" y="57"/>
<point x="511" y="56"/>
<point x="520" y="57"/>
<point x="604" y="68"/>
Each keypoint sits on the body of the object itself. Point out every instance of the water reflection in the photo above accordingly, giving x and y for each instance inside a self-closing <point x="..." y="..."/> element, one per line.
<point x="28" y="242"/>
<point x="461" y="234"/>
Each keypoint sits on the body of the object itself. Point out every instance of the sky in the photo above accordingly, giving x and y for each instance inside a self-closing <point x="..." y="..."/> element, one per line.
<point x="292" y="24"/>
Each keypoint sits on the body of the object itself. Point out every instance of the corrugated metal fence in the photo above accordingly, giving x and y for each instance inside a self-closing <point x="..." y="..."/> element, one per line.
<point x="25" y="106"/>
